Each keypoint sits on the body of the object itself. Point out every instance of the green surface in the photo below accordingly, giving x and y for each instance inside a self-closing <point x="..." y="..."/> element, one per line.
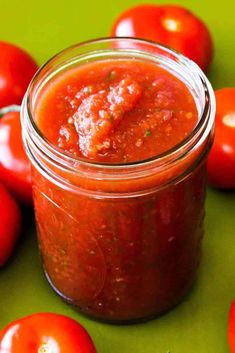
<point x="199" y="324"/>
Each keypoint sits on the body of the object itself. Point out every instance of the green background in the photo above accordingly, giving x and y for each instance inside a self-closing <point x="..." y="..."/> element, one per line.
<point x="199" y="324"/>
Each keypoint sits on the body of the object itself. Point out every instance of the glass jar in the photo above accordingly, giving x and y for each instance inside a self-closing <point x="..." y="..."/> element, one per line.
<point x="121" y="242"/>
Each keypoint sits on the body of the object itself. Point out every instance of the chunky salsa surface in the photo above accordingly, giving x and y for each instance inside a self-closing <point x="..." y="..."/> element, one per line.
<point x="116" y="111"/>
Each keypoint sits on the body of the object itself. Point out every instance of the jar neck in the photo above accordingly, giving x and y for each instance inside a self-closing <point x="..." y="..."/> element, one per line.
<point x="40" y="150"/>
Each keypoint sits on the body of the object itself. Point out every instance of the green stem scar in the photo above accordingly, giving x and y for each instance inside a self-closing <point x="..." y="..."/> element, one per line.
<point x="45" y="348"/>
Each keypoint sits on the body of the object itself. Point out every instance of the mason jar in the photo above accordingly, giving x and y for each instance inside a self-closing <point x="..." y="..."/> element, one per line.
<point x="120" y="242"/>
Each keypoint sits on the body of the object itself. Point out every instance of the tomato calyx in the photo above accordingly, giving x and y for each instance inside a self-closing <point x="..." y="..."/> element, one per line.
<point x="45" y="348"/>
<point x="9" y="109"/>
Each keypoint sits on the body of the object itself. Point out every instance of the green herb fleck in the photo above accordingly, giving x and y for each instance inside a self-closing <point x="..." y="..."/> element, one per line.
<point x="157" y="110"/>
<point x="147" y="133"/>
<point x="119" y="112"/>
<point x="112" y="75"/>
<point x="109" y="117"/>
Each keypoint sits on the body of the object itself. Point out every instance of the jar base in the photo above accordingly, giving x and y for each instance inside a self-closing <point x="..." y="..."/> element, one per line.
<point x="125" y="321"/>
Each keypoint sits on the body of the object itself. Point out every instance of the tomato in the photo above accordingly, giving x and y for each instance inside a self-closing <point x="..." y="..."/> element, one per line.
<point x="15" y="170"/>
<point x="16" y="71"/>
<point x="45" y="333"/>
<point x="221" y="161"/>
<point x="231" y="328"/>
<point x="171" y="25"/>
<point x="10" y="224"/>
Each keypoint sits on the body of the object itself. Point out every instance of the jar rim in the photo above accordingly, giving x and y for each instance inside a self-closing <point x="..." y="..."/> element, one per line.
<point x="202" y="128"/>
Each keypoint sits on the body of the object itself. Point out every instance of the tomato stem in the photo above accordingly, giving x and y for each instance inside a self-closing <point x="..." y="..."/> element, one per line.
<point x="9" y="108"/>
<point x="45" y="348"/>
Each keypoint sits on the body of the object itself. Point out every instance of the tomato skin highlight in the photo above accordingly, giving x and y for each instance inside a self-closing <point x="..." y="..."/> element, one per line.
<point x="17" y="68"/>
<point x="10" y="224"/>
<point x="57" y="333"/>
<point x="170" y="25"/>
<point x="15" y="167"/>
<point x="221" y="160"/>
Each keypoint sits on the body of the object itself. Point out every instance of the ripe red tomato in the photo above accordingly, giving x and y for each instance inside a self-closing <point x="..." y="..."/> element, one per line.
<point x="16" y="71"/>
<point x="10" y="225"/>
<point x="15" y="170"/>
<point x="45" y="333"/>
<point x="171" y="25"/>
<point x="221" y="160"/>
<point x="231" y="328"/>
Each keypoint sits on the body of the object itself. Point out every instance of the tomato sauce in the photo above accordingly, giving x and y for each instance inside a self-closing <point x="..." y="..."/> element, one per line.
<point x="118" y="258"/>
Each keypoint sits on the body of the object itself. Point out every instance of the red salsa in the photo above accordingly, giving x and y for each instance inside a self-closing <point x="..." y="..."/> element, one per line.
<point x="117" y="111"/>
<point x="119" y="258"/>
